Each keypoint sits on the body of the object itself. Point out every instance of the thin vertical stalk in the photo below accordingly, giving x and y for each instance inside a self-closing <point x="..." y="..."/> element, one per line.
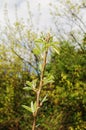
<point x="34" y="123"/>
<point x="40" y="82"/>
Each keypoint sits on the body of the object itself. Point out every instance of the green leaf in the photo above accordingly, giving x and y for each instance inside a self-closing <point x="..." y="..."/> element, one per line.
<point x="48" y="79"/>
<point x="29" y="83"/>
<point x="54" y="43"/>
<point x="32" y="107"/>
<point x="35" y="106"/>
<point x="27" y="108"/>
<point x="44" y="99"/>
<point x="36" y="51"/>
<point x="34" y="83"/>
<point x="56" y="49"/>
<point x="39" y="40"/>
<point x="27" y="88"/>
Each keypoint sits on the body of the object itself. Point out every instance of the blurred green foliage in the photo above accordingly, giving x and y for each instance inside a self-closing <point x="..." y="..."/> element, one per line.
<point x="69" y="93"/>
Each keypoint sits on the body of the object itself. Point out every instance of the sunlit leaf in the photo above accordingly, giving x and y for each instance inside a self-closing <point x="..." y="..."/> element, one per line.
<point x="27" y="88"/>
<point x="29" y="83"/>
<point x="44" y="99"/>
<point x="27" y="108"/>
<point x="32" y="107"/>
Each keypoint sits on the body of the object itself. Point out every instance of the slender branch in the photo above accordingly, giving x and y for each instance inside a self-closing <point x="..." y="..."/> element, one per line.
<point x="40" y="83"/>
<point x="34" y="123"/>
<point x="24" y="59"/>
<point x="77" y="42"/>
<point x="41" y="77"/>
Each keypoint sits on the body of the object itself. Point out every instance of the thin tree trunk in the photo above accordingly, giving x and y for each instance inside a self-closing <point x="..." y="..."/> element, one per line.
<point x="34" y="124"/>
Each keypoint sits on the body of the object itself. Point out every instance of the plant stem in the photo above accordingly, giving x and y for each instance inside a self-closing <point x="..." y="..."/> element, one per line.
<point x="34" y="123"/>
<point x="40" y="83"/>
<point x="39" y="89"/>
<point x="41" y="78"/>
